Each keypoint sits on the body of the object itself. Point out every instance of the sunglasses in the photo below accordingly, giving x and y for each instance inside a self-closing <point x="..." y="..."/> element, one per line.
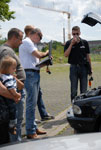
<point x="75" y="33"/>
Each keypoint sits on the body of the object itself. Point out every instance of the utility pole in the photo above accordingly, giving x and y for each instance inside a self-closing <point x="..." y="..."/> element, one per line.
<point x="59" y="11"/>
<point x="0" y="34"/>
<point x="64" y="35"/>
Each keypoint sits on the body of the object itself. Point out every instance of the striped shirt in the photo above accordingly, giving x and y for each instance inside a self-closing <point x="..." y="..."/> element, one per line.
<point x="9" y="81"/>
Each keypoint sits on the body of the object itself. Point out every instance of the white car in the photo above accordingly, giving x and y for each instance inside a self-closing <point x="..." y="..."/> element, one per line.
<point x="90" y="141"/>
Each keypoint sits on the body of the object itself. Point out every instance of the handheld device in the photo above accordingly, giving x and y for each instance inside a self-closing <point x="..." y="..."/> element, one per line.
<point x="48" y="60"/>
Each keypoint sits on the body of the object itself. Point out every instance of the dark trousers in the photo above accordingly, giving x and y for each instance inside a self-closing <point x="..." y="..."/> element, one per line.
<point x="12" y="109"/>
<point x="4" y="121"/>
<point x="78" y="73"/>
<point x="7" y="113"/>
<point x="4" y="133"/>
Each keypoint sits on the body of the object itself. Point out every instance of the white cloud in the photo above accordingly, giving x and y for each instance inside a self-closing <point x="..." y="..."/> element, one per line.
<point x="51" y="23"/>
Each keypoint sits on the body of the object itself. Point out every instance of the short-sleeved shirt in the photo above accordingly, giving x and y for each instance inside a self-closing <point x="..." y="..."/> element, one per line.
<point x="8" y="80"/>
<point x="78" y="54"/>
<point x="26" y="49"/>
<point x="6" y="50"/>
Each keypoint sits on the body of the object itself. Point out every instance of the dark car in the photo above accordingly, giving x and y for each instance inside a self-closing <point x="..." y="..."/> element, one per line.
<point x="85" y="113"/>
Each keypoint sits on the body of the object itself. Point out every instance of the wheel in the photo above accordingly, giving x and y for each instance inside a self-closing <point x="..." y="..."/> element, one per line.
<point x="77" y="131"/>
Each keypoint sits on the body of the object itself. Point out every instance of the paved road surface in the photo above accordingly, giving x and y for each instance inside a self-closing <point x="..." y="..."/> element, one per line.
<point x="56" y="92"/>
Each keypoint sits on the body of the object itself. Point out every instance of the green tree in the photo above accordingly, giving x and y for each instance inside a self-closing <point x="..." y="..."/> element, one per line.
<point x="5" y="13"/>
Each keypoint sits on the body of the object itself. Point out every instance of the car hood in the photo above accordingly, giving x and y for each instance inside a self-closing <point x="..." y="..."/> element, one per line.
<point x="88" y="101"/>
<point x="91" y="141"/>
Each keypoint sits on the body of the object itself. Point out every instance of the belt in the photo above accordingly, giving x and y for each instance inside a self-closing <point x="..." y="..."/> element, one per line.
<point x="32" y="70"/>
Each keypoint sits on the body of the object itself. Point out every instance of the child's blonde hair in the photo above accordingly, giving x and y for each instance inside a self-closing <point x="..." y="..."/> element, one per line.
<point x="6" y="62"/>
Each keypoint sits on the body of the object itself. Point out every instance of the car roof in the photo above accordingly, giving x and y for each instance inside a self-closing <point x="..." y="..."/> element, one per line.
<point x="91" y="141"/>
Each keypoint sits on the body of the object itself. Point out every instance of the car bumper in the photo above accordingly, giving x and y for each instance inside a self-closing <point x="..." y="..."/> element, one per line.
<point x="80" y="124"/>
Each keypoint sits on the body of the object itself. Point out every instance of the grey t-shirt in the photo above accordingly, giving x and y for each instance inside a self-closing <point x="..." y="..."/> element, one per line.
<point x="6" y="50"/>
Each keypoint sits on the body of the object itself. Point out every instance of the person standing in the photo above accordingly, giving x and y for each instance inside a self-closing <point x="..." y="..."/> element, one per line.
<point x="40" y="103"/>
<point x="78" y="53"/>
<point x="14" y="40"/>
<point x="7" y="70"/>
<point x="29" y="56"/>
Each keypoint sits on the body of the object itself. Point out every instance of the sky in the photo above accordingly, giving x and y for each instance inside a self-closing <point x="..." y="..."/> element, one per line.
<point x="52" y="23"/>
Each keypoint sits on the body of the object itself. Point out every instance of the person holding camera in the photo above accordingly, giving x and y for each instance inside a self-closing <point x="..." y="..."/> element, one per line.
<point x="78" y="53"/>
<point x="29" y="57"/>
<point x="40" y="103"/>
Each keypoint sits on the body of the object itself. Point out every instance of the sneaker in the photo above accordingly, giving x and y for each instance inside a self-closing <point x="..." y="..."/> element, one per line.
<point x="37" y="121"/>
<point x="48" y="117"/>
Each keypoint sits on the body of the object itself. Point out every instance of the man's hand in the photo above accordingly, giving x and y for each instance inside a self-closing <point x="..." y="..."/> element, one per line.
<point x="17" y="98"/>
<point x="75" y="40"/>
<point x="47" y="52"/>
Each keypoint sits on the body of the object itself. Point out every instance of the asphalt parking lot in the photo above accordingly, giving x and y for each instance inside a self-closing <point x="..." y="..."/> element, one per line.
<point x="55" y="89"/>
<point x="56" y="94"/>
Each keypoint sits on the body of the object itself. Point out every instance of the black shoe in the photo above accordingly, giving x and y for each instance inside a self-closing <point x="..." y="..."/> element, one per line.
<point x="48" y="117"/>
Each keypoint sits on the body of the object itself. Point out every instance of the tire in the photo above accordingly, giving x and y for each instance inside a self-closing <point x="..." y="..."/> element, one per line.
<point x="77" y="131"/>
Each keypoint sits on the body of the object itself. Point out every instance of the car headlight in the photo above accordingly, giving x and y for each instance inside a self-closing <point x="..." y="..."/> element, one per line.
<point x="76" y="109"/>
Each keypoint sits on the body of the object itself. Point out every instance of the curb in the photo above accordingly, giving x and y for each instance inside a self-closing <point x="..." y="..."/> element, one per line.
<point x="55" y="126"/>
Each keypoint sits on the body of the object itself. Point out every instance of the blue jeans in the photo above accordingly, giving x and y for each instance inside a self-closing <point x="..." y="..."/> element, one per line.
<point x="41" y="106"/>
<point x="20" y="115"/>
<point x="32" y="88"/>
<point x="78" y="73"/>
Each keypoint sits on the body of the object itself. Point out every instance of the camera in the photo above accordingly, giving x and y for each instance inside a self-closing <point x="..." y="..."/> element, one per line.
<point x="78" y="39"/>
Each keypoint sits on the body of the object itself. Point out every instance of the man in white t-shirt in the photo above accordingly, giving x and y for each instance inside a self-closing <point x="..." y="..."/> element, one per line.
<point x="40" y="103"/>
<point x="29" y="56"/>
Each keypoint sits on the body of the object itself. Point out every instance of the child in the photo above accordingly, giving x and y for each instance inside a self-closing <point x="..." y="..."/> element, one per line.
<point x="7" y="70"/>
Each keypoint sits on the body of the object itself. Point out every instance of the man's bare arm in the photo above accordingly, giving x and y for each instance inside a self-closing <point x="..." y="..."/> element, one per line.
<point x="89" y="60"/>
<point x="4" y="92"/>
<point x="68" y="50"/>
<point x="20" y="84"/>
<point x="17" y="96"/>
<point x="39" y="54"/>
